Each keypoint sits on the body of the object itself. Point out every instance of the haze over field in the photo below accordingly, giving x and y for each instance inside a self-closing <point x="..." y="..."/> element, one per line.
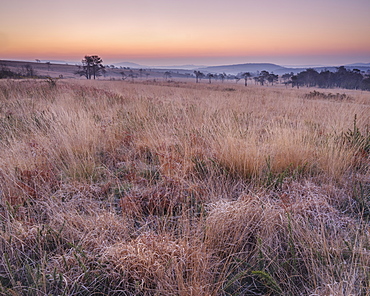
<point x="208" y="32"/>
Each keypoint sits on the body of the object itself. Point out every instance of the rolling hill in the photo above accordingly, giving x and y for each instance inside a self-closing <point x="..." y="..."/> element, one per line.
<point x="249" y="67"/>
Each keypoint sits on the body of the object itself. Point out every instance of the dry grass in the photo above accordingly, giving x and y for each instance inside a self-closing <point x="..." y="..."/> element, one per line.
<point x="119" y="188"/>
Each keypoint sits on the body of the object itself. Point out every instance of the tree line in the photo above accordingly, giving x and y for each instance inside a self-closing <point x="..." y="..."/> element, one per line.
<point x="342" y="78"/>
<point x="262" y="78"/>
<point x="92" y="67"/>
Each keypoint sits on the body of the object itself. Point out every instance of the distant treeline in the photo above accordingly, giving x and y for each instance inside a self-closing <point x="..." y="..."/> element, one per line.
<point x="342" y="78"/>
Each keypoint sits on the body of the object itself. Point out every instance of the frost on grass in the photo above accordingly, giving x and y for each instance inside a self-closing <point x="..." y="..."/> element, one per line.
<point x="162" y="189"/>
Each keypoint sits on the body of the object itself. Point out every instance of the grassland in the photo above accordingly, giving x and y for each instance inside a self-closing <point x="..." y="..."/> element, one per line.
<point x="120" y="188"/>
<point x="68" y="71"/>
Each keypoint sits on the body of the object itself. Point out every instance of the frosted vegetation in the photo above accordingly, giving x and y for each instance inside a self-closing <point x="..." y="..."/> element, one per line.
<point x="121" y="188"/>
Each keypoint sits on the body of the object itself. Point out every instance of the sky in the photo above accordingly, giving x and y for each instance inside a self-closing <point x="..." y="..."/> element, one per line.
<point x="201" y="32"/>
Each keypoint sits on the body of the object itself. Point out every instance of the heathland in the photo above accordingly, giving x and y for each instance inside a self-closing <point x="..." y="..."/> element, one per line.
<point x="178" y="188"/>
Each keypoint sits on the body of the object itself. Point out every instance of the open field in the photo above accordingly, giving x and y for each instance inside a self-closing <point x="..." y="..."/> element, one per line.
<point x="55" y="70"/>
<point x="120" y="188"/>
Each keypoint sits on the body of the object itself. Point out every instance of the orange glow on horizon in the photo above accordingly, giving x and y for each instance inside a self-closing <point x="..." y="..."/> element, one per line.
<point x="160" y="30"/>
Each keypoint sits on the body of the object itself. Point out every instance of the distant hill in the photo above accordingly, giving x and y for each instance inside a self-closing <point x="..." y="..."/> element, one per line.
<point x="276" y="69"/>
<point x="249" y="67"/>
<point x="358" y="65"/>
<point x="57" y="62"/>
<point x="131" y="65"/>
<point x="173" y="67"/>
<point x="179" y="67"/>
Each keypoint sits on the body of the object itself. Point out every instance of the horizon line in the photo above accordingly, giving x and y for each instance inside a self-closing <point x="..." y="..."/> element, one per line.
<point x="192" y="64"/>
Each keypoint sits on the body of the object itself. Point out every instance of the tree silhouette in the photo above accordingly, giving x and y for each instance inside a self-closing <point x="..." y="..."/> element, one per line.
<point x="263" y="77"/>
<point x="97" y="66"/>
<point x="167" y="75"/>
<point x="246" y="75"/>
<point x="210" y="76"/>
<point x="272" y="78"/>
<point x="222" y="76"/>
<point x="237" y="78"/>
<point x="92" y="66"/>
<point x="198" y="76"/>
<point x="342" y="78"/>
<point x="287" y="76"/>
<point x="294" y="81"/>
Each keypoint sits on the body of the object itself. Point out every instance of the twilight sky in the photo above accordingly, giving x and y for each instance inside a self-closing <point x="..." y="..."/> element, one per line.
<point x="168" y="32"/>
